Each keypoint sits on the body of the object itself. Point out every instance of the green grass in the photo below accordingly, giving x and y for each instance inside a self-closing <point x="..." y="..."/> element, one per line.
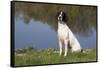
<point x="47" y="56"/>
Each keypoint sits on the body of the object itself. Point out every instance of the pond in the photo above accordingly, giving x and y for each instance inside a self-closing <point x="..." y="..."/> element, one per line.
<point x="43" y="36"/>
<point x="40" y="31"/>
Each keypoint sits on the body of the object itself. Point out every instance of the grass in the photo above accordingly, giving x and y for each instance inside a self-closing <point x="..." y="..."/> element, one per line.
<point x="49" y="56"/>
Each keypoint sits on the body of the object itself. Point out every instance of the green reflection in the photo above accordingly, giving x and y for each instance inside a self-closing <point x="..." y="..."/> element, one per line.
<point x="81" y="18"/>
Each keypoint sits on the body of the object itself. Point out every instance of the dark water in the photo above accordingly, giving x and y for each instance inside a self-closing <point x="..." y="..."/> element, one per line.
<point x="41" y="35"/>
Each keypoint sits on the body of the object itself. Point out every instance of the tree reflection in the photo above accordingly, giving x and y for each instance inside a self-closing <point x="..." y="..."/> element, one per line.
<point x="81" y="18"/>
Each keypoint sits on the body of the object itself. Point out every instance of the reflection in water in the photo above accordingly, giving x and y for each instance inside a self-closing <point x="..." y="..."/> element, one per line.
<point x="36" y="24"/>
<point x="41" y="35"/>
<point x="34" y="34"/>
<point x="78" y="16"/>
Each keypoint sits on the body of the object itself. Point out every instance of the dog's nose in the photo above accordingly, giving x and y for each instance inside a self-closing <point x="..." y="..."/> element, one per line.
<point x="60" y="16"/>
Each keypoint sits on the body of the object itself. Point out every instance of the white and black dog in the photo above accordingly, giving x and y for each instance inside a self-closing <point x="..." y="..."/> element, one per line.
<point x="65" y="36"/>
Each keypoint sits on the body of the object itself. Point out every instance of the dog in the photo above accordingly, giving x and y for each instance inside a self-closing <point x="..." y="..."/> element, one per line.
<point x="66" y="38"/>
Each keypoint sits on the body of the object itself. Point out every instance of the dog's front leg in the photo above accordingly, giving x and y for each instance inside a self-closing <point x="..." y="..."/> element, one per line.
<point x="66" y="47"/>
<point x="60" y="47"/>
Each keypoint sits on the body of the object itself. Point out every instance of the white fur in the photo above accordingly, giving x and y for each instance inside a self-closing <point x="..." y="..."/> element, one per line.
<point x="65" y="35"/>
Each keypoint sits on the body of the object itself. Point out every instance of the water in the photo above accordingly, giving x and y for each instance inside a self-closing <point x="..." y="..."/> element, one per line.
<point x="41" y="35"/>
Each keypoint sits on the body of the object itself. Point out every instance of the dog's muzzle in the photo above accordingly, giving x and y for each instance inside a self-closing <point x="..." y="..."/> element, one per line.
<point x="60" y="18"/>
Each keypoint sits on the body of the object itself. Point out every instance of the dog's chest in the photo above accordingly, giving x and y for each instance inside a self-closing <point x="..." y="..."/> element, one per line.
<point x="62" y="30"/>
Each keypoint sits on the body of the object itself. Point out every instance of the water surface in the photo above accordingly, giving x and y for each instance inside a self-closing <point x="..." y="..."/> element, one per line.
<point x="41" y="35"/>
<point x="36" y="24"/>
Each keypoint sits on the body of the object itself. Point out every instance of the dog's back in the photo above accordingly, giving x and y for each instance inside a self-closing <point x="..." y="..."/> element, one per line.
<point x="73" y="42"/>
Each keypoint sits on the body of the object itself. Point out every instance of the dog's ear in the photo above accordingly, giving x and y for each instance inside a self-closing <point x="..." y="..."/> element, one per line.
<point x="65" y="17"/>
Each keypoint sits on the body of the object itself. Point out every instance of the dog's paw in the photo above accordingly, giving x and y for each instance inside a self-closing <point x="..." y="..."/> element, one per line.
<point x="65" y="54"/>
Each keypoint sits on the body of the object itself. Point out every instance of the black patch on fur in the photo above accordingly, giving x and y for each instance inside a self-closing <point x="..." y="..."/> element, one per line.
<point x="65" y="17"/>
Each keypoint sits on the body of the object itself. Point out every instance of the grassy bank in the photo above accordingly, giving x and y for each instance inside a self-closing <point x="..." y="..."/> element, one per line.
<point x="51" y="56"/>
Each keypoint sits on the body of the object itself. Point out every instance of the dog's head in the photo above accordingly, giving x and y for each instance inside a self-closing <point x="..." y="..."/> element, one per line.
<point x="62" y="16"/>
